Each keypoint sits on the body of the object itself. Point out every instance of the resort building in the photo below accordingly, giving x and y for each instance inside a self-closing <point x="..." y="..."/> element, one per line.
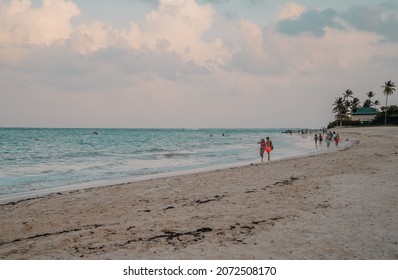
<point x="364" y="115"/>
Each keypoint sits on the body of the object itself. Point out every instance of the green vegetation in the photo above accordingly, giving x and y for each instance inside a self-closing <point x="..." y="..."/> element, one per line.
<point x="389" y="89"/>
<point x="347" y="104"/>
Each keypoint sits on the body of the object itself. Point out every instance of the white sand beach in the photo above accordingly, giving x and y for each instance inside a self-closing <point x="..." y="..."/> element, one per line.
<point x="340" y="205"/>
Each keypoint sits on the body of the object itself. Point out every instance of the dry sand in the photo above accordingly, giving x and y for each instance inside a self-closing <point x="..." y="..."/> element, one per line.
<point x="341" y="205"/>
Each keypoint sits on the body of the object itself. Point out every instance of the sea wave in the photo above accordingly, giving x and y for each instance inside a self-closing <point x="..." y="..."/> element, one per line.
<point x="177" y="154"/>
<point x="73" y="156"/>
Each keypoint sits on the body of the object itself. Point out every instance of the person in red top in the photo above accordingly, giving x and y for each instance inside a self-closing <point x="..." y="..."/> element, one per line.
<point x="337" y="139"/>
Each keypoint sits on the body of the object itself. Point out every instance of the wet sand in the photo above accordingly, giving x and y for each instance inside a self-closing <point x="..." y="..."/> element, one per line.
<point x="340" y="205"/>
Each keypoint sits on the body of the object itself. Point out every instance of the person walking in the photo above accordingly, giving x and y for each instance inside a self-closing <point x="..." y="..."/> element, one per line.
<point x="328" y="139"/>
<point x="269" y="147"/>
<point x="337" y="139"/>
<point x="262" y="149"/>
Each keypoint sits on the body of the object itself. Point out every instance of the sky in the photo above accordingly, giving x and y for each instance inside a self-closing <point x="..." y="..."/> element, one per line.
<point x="191" y="63"/>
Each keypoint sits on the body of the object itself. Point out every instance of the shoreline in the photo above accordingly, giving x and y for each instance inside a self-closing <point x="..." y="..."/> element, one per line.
<point x="21" y="196"/>
<point x="337" y="205"/>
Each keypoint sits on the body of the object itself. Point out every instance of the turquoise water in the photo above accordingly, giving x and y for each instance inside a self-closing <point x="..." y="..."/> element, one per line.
<point x="39" y="158"/>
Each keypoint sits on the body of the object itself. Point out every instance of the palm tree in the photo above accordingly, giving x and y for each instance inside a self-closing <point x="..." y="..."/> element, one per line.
<point x="368" y="103"/>
<point x="354" y="104"/>
<point x="370" y="94"/>
<point x="376" y="103"/>
<point x="348" y="94"/>
<point x="389" y="89"/>
<point x="340" y="109"/>
<point x="349" y="104"/>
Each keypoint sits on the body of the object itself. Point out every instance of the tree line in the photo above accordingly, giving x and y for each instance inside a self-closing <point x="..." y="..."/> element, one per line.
<point x="347" y="104"/>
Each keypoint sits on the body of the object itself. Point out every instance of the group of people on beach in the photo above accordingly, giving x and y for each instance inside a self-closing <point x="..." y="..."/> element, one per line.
<point x="265" y="146"/>
<point x="330" y="137"/>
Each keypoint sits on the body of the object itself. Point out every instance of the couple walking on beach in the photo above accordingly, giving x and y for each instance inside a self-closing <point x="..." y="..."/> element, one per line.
<point x="265" y="146"/>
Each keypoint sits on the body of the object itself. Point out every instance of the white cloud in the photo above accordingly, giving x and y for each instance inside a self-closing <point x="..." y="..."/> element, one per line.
<point x="94" y="36"/>
<point x="182" y="24"/>
<point x="179" y="26"/>
<point x="290" y="11"/>
<point x="252" y="55"/>
<point x="22" y="23"/>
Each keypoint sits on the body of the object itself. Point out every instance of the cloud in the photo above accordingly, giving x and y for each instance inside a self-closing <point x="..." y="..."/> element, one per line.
<point x="252" y="56"/>
<point x="176" y="32"/>
<point x="182" y="24"/>
<point x="22" y="23"/>
<point x="389" y="6"/>
<point x="254" y="2"/>
<point x="372" y="19"/>
<point x="214" y="1"/>
<point x="295" y="20"/>
<point x="93" y="36"/>
<point x="309" y="21"/>
<point x="290" y="11"/>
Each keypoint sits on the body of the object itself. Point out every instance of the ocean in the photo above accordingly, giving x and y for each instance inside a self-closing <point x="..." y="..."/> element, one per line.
<point x="33" y="159"/>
